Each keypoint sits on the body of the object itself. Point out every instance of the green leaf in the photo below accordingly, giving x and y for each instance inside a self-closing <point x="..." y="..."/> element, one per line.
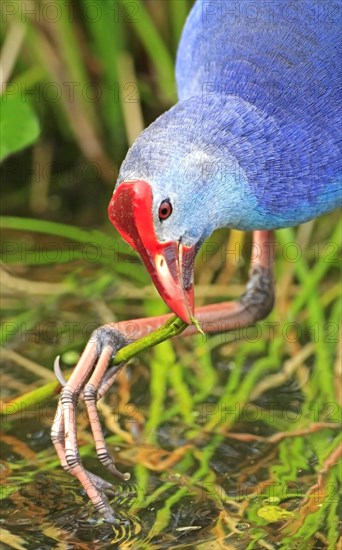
<point x="274" y="513"/>
<point x="19" y="125"/>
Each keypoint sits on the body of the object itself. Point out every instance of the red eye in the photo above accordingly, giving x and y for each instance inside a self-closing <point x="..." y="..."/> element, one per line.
<point x="165" y="210"/>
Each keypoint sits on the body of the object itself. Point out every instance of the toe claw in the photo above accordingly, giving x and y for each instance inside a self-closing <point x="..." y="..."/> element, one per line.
<point x="113" y="470"/>
<point x="58" y="372"/>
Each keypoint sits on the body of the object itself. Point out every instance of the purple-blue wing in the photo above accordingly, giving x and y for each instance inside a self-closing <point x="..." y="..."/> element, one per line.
<point x="282" y="61"/>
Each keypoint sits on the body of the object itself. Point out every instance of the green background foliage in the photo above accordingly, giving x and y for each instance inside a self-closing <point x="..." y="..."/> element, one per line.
<point x="231" y="441"/>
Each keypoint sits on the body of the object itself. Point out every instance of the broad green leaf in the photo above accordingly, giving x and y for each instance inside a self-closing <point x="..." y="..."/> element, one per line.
<point x="19" y="125"/>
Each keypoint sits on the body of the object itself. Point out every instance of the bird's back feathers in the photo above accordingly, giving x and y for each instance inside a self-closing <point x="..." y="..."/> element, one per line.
<point x="273" y="69"/>
<point x="259" y="88"/>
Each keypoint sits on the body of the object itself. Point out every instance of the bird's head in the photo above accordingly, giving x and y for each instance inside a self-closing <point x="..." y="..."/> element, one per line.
<point x="155" y="207"/>
<point x="169" y="198"/>
<point x="145" y="221"/>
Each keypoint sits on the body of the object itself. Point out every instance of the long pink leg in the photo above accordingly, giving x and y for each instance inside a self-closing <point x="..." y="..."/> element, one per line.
<point x="92" y="376"/>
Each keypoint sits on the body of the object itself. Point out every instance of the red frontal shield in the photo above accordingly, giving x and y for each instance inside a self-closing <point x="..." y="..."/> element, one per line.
<point x="170" y="264"/>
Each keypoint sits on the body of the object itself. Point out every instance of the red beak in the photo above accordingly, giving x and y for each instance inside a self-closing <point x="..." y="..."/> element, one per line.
<point x="170" y="264"/>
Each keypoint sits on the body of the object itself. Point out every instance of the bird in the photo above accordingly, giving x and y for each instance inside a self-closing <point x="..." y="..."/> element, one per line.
<point x="254" y="144"/>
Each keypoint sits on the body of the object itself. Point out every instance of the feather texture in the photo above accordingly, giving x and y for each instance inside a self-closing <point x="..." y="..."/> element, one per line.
<point x="254" y="141"/>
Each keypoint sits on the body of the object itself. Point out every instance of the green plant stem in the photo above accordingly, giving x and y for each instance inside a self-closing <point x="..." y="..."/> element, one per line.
<point x="171" y="328"/>
<point x="154" y="45"/>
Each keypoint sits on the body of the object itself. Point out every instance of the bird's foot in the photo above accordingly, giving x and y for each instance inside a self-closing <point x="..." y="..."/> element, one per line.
<point x="89" y="381"/>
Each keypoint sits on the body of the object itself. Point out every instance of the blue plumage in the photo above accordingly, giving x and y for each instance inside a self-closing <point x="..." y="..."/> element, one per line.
<point x="254" y="141"/>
